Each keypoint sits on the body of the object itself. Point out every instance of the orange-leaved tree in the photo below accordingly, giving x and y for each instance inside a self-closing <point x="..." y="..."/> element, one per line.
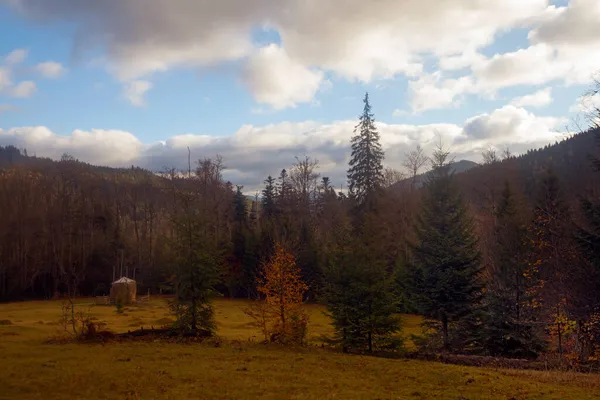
<point x="281" y="315"/>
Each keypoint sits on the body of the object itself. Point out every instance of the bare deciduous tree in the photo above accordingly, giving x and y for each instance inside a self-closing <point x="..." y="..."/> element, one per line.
<point x="490" y="156"/>
<point x="415" y="161"/>
<point x="392" y="176"/>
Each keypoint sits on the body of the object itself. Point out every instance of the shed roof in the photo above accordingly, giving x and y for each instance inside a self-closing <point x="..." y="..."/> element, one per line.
<point x="124" y="280"/>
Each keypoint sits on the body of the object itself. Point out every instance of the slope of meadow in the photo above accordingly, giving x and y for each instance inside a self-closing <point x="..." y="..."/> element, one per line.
<point x="237" y="367"/>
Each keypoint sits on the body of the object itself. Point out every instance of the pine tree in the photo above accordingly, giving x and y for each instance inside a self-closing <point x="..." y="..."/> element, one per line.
<point x="284" y="188"/>
<point x="241" y="206"/>
<point x="233" y="274"/>
<point x="444" y="272"/>
<point x="359" y="293"/>
<point x="365" y="175"/>
<point x="196" y="273"/>
<point x="307" y="260"/>
<point x="510" y="328"/>
<point x="268" y="197"/>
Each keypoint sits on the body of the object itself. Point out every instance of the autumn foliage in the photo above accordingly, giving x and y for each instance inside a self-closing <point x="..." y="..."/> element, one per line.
<point x="281" y="315"/>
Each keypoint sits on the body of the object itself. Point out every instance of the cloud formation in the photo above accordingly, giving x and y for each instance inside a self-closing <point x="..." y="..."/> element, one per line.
<point x="135" y="91"/>
<point x="352" y="39"/>
<point x="23" y="89"/>
<point x="252" y="153"/>
<point x="50" y="69"/>
<point x="26" y="88"/>
<point x="541" y="98"/>
<point x="277" y="80"/>
<point x="7" y="107"/>
<point x="564" y="46"/>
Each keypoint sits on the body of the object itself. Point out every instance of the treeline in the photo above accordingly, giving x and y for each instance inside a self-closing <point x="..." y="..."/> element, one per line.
<point x="501" y="259"/>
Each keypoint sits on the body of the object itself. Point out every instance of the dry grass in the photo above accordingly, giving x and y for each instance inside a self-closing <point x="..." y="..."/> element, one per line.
<point x="238" y="369"/>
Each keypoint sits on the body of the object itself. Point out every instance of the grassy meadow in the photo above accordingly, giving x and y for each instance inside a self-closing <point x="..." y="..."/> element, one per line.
<point x="239" y="367"/>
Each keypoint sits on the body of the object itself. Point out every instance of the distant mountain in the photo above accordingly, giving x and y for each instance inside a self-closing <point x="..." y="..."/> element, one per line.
<point x="457" y="167"/>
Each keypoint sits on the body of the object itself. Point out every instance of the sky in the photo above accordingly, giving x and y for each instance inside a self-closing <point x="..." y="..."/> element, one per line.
<point x="260" y="82"/>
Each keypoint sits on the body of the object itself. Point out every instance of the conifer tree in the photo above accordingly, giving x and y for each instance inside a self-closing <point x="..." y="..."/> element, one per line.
<point x="365" y="175"/>
<point x="359" y="292"/>
<point x="196" y="271"/>
<point x="268" y="197"/>
<point x="233" y="274"/>
<point x="510" y="328"/>
<point x="284" y="187"/>
<point x="445" y="268"/>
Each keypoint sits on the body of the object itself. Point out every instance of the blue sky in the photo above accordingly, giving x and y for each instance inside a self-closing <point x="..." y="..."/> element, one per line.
<point x="251" y="81"/>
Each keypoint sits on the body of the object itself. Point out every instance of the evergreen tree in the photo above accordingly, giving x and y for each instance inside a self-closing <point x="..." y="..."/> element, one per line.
<point x="233" y="274"/>
<point x="307" y="260"/>
<point x="196" y="272"/>
<point x="250" y="264"/>
<point x="365" y="175"/>
<point x="283" y="188"/>
<point x="359" y="292"/>
<point x="445" y="268"/>
<point x="268" y="197"/>
<point x="240" y="206"/>
<point x="510" y="328"/>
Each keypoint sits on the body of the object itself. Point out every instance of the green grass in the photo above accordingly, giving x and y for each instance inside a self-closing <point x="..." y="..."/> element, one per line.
<point x="238" y="369"/>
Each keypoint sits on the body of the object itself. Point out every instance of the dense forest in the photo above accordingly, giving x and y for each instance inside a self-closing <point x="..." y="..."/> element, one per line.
<point x="501" y="258"/>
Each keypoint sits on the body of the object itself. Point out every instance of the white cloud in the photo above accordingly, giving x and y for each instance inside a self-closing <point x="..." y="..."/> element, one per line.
<point x="5" y="78"/>
<point x="23" y="89"/>
<point x="540" y="98"/>
<point x="513" y="125"/>
<point x="564" y="47"/>
<point x="431" y="92"/>
<point x="8" y="64"/>
<point x="6" y="108"/>
<point x="101" y="147"/>
<point x="135" y="91"/>
<point x="586" y="103"/>
<point x="575" y="25"/>
<point x="252" y="152"/>
<point x="353" y="39"/>
<point x="50" y="69"/>
<point x="279" y="81"/>
<point x="16" y="56"/>
<point x="533" y="65"/>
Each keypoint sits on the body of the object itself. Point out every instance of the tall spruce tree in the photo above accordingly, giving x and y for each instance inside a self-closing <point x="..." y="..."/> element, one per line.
<point x="445" y="282"/>
<point x="360" y="298"/>
<point x="233" y="276"/>
<point x="510" y="328"/>
<point x="268" y="197"/>
<point x="365" y="175"/>
<point x="196" y="270"/>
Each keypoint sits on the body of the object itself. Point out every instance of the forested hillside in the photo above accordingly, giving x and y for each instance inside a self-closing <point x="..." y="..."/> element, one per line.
<point x="501" y="258"/>
<point x="70" y="226"/>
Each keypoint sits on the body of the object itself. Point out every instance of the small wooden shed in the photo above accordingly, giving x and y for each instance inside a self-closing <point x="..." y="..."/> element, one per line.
<point x="123" y="290"/>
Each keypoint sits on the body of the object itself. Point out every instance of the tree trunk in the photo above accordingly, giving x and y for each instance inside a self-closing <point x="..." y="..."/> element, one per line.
<point x="445" y="332"/>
